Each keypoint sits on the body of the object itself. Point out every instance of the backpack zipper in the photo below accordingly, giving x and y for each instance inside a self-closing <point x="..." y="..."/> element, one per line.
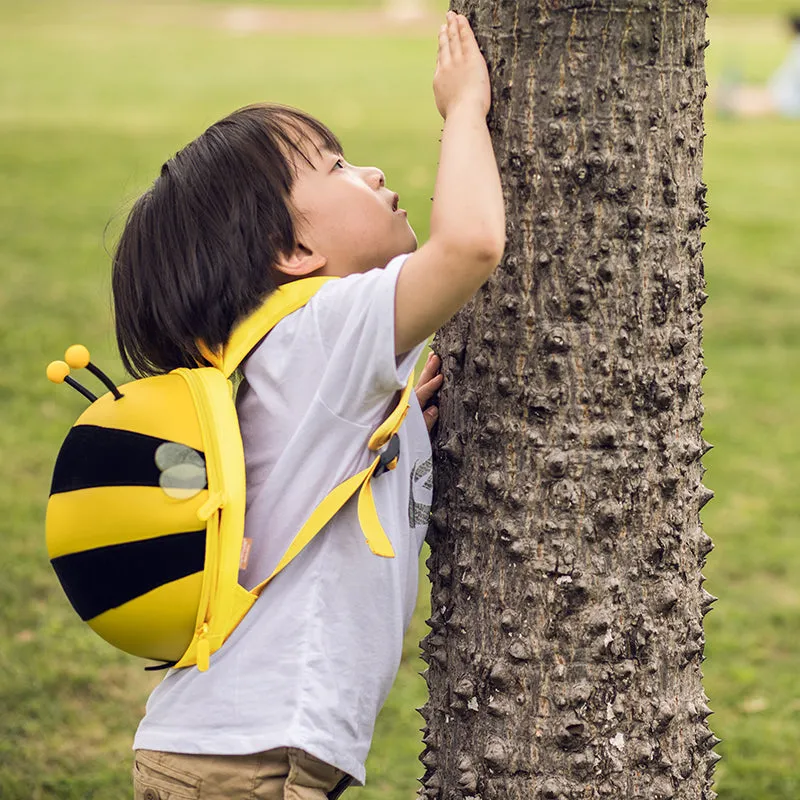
<point x="212" y="506"/>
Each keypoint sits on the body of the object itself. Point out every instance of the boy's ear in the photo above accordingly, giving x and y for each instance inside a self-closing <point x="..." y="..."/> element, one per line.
<point x="300" y="263"/>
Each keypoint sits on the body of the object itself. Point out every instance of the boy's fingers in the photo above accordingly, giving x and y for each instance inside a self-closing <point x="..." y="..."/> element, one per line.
<point x="428" y="371"/>
<point x="431" y="416"/>
<point x="454" y="34"/>
<point x="430" y="383"/>
<point x="468" y="40"/>
<point x="434" y="384"/>
<point x="444" y="46"/>
<point x="426" y="391"/>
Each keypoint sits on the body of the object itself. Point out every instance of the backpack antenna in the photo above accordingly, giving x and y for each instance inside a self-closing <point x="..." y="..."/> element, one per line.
<point x="58" y="372"/>
<point x="78" y="357"/>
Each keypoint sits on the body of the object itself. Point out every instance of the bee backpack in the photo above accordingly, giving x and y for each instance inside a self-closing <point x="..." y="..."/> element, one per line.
<point x="145" y="521"/>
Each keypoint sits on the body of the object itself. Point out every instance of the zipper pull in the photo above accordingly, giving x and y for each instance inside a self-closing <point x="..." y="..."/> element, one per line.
<point x="214" y="502"/>
<point x="203" y="649"/>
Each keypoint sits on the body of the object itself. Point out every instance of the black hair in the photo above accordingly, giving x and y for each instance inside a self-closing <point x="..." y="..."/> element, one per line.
<point x="199" y="247"/>
<point x="794" y="21"/>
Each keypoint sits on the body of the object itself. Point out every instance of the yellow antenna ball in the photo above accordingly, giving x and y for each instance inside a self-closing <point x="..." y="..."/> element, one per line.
<point x="77" y="356"/>
<point x="57" y="371"/>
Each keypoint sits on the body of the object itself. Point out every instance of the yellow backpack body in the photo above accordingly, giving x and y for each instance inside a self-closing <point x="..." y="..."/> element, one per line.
<point x="145" y="521"/>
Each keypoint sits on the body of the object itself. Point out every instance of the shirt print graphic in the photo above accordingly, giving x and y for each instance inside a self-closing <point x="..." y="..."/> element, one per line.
<point x="421" y="478"/>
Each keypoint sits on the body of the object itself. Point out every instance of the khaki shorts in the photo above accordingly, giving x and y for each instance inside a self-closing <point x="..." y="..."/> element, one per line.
<point x="282" y="774"/>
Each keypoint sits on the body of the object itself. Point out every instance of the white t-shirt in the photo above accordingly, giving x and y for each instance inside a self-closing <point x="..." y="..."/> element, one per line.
<point x="312" y="663"/>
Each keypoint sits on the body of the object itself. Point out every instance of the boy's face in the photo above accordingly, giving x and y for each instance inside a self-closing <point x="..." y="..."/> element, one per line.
<point x="346" y="218"/>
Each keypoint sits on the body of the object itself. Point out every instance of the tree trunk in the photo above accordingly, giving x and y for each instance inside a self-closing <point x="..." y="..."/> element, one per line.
<point x="567" y="601"/>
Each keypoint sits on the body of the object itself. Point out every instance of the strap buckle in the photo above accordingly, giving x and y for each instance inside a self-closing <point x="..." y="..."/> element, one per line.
<point x="389" y="455"/>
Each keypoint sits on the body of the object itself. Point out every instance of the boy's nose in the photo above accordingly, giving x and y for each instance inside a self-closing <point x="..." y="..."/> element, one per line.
<point x="381" y="178"/>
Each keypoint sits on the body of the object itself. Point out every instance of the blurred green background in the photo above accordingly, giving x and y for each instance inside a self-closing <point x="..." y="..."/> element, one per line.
<point x="95" y="95"/>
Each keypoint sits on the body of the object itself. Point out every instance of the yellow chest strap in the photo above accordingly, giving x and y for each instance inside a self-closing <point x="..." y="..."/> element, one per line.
<point x="245" y="337"/>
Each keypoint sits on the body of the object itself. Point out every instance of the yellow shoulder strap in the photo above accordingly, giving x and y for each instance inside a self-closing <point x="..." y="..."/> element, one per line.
<point x="248" y="333"/>
<point x="285" y="300"/>
<point x="371" y="526"/>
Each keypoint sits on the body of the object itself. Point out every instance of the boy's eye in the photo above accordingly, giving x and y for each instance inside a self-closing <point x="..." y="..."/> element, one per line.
<point x="339" y="163"/>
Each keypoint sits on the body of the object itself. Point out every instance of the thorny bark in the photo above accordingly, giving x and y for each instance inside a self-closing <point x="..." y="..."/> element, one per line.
<point x="567" y="602"/>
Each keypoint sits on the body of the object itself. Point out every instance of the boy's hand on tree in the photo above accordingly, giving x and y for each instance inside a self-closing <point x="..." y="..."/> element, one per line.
<point x="462" y="76"/>
<point x="430" y="381"/>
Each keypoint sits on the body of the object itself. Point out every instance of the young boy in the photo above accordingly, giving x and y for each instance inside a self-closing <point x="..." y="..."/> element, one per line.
<point x="288" y="706"/>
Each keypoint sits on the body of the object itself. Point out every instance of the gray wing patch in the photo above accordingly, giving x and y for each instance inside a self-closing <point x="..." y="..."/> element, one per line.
<point x="183" y="470"/>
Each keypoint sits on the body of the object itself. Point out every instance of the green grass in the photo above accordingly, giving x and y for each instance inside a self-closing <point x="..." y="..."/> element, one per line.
<point x="752" y="349"/>
<point x="94" y="98"/>
<point x="753" y="8"/>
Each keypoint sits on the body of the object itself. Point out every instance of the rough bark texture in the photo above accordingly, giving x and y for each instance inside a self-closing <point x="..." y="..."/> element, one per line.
<point x="564" y="657"/>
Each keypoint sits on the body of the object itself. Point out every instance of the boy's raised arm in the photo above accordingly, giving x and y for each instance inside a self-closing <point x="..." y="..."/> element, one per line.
<point x="468" y="218"/>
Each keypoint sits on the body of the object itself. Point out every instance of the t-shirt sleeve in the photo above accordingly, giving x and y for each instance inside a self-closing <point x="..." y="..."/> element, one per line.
<point x="354" y="317"/>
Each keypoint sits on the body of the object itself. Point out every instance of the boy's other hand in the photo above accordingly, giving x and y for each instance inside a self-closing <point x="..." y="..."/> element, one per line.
<point x="430" y="381"/>
<point x="461" y="72"/>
